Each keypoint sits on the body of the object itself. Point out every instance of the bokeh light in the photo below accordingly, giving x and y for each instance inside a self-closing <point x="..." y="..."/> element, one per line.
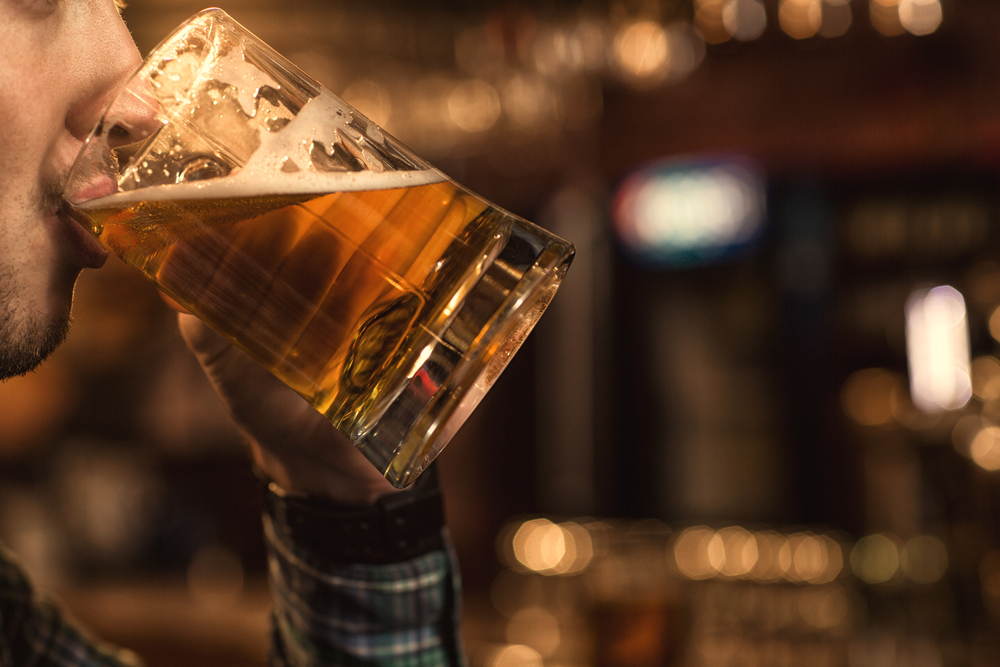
<point x="985" y="448"/>
<point x="875" y="559"/>
<point x="765" y="556"/>
<point x="920" y="17"/>
<point x="745" y="20"/>
<point x="514" y="655"/>
<point x="837" y="18"/>
<point x="539" y="545"/>
<point x="642" y="50"/>
<point x="937" y="349"/>
<point x="546" y="547"/>
<point x="681" y="212"/>
<point x="739" y="549"/>
<point x="800" y="19"/>
<point x="691" y="552"/>
<point x="884" y="16"/>
<point x="709" y="20"/>
<point x="986" y="373"/>
<point x="474" y="105"/>
<point x="964" y="433"/>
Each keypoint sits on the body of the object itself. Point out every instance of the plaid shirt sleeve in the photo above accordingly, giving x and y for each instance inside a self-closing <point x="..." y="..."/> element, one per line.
<point x="35" y="632"/>
<point x="392" y="615"/>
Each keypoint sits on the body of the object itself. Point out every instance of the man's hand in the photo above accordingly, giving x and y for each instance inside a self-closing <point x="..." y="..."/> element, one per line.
<point x="290" y="441"/>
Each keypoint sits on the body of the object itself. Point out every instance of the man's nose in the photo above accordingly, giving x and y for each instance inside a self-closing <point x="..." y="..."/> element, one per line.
<point x="132" y="117"/>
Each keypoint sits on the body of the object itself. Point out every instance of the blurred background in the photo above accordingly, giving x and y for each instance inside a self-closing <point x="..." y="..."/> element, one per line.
<point x="759" y="425"/>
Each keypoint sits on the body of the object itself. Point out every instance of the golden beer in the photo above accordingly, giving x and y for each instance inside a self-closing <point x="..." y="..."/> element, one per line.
<point x="341" y="295"/>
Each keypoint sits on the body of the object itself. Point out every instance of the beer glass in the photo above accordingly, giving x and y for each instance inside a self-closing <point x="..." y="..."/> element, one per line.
<point x="384" y="293"/>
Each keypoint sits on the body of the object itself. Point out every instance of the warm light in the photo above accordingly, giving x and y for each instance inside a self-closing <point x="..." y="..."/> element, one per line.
<point x="870" y="396"/>
<point x="514" y="655"/>
<point x="800" y="19"/>
<point x="937" y="347"/>
<point x="582" y="551"/>
<point x="965" y="431"/>
<point x="834" y="561"/>
<point x="745" y="20"/>
<point x="709" y="20"/>
<point x="474" y="105"/>
<point x="539" y="545"/>
<point x="691" y="553"/>
<point x="548" y="548"/>
<point x="643" y="50"/>
<point x="767" y="566"/>
<point x="875" y="559"/>
<point x="837" y="18"/>
<point x="884" y="15"/>
<point x="924" y="559"/>
<point x="920" y="17"/>
<point x="985" y="448"/>
<point x="536" y="628"/>
<point x="986" y="371"/>
<point x="740" y="551"/>
<point x="803" y="557"/>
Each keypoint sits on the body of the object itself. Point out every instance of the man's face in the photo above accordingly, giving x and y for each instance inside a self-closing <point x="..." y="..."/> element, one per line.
<point x="60" y="63"/>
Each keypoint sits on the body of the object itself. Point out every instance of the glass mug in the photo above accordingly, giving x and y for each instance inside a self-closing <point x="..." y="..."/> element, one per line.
<point x="384" y="293"/>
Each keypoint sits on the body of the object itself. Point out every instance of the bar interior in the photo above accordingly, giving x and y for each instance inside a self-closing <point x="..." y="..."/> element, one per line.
<point x="759" y="424"/>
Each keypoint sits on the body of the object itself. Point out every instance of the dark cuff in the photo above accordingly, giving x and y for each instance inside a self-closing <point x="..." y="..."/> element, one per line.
<point x="397" y="527"/>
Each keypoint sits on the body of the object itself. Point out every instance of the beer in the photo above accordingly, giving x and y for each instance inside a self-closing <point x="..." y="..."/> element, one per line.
<point x="385" y="294"/>
<point x="338" y="293"/>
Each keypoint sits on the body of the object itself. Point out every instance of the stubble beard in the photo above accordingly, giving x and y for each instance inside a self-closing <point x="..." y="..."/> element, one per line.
<point x="25" y="340"/>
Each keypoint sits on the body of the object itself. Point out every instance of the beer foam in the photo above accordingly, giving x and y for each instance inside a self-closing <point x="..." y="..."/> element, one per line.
<point x="282" y="164"/>
<point x="247" y="184"/>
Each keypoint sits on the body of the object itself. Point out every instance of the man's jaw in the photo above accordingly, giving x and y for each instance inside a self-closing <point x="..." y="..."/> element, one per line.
<point x="25" y="340"/>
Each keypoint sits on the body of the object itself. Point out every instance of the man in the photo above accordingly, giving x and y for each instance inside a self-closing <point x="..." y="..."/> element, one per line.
<point x="360" y="571"/>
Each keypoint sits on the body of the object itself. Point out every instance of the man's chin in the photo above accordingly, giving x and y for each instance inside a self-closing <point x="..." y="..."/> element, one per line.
<point x="25" y="345"/>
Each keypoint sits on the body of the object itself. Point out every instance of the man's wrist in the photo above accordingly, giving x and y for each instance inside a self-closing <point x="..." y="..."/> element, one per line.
<point x="396" y="527"/>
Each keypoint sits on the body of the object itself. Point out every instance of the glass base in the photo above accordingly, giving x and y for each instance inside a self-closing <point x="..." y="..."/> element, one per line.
<point x="458" y="364"/>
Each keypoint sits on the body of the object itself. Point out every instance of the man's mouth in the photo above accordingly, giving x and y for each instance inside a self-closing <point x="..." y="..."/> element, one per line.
<point x="84" y="249"/>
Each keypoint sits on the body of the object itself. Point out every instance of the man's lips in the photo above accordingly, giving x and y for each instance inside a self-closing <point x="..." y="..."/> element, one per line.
<point x="85" y="250"/>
